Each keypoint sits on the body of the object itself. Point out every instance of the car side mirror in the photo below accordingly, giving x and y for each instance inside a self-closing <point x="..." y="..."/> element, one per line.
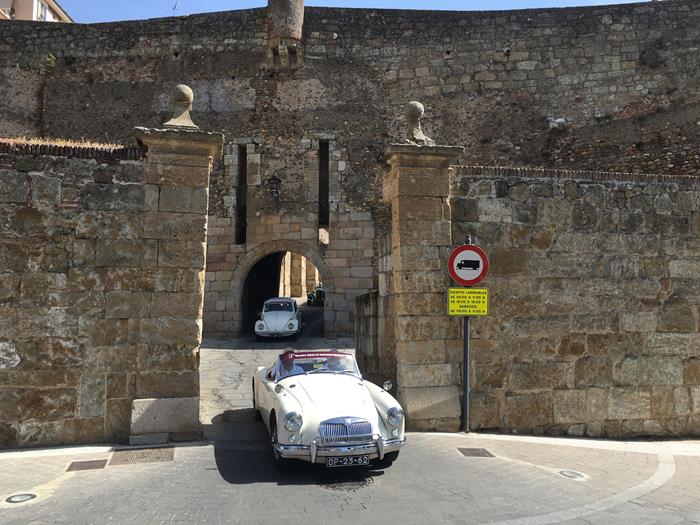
<point x="388" y="385"/>
<point x="259" y="315"/>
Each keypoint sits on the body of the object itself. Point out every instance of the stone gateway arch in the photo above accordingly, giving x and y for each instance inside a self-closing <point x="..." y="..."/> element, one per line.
<point x="564" y="141"/>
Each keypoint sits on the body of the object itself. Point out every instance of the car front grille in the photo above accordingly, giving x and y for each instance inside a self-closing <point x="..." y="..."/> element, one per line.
<point x="343" y="431"/>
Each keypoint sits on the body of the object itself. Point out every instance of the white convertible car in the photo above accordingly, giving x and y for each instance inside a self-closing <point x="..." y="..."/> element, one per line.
<point x="317" y="408"/>
<point x="280" y="317"/>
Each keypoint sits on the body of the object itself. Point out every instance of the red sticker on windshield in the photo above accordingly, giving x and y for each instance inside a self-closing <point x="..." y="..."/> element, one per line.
<point x="312" y="355"/>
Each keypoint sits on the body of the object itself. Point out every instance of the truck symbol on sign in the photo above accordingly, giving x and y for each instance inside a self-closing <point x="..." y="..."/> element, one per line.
<point x="471" y="264"/>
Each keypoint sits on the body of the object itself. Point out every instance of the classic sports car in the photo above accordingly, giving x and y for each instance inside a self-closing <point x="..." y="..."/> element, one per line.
<point x="280" y="317"/>
<point x="317" y="408"/>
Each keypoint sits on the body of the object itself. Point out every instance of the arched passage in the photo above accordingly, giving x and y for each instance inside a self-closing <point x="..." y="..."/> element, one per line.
<point x="256" y="278"/>
<point x="261" y="283"/>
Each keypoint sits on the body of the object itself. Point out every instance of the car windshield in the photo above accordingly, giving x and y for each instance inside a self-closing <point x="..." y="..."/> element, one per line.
<point x="278" y="306"/>
<point x="318" y="362"/>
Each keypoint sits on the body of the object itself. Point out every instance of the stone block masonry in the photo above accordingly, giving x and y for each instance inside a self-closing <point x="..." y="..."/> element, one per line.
<point x="284" y="217"/>
<point x="593" y="327"/>
<point x="593" y="276"/>
<point x="545" y="87"/>
<point x="594" y="316"/>
<point x="427" y="381"/>
<point x="101" y="287"/>
<point x="601" y="88"/>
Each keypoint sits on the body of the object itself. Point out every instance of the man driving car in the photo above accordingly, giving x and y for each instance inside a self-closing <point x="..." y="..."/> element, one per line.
<point x="287" y="366"/>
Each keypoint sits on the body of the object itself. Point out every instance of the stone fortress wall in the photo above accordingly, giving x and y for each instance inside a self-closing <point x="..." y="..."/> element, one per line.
<point x="53" y="296"/>
<point x="595" y="301"/>
<point x="611" y="88"/>
<point x="101" y="288"/>
<point x="594" y="289"/>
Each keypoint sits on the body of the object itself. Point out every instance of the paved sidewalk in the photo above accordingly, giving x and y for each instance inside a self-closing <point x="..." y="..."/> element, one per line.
<point x="233" y="481"/>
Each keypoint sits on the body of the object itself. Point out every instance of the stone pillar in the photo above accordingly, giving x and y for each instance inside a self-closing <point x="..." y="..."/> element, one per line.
<point x="285" y="275"/>
<point x="417" y="186"/>
<point x="285" y="23"/>
<point x="311" y="277"/>
<point x="302" y="277"/>
<point x="295" y="276"/>
<point x="178" y="165"/>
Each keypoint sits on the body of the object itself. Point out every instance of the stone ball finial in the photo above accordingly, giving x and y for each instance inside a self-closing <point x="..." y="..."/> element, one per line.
<point x="414" y="112"/>
<point x="183" y="95"/>
<point x="182" y="98"/>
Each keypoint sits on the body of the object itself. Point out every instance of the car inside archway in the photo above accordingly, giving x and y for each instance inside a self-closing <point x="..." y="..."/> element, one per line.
<point x="284" y="275"/>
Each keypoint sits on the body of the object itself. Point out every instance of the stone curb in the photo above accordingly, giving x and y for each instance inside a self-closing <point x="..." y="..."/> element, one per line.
<point x="78" y="451"/>
<point x="681" y="447"/>
<point x="675" y="447"/>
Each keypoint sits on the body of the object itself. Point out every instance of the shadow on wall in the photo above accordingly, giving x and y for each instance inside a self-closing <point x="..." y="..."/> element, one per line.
<point x="262" y="282"/>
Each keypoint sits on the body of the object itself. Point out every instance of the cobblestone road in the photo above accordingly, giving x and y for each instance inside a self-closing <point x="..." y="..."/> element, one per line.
<point x="231" y="479"/>
<point x="234" y="481"/>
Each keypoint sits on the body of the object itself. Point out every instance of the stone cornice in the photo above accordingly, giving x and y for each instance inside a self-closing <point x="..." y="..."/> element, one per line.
<point x="582" y="175"/>
<point x="413" y="155"/>
<point x="181" y="141"/>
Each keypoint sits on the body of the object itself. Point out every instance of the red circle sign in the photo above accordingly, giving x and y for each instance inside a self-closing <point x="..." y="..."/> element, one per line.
<point x="468" y="264"/>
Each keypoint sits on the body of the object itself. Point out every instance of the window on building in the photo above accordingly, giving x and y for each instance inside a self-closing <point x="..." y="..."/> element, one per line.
<point x="42" y="11"/>
<point x="323" y="194"/>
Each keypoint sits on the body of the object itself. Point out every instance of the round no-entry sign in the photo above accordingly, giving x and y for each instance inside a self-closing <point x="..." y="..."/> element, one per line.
<point x="468" y="264"/>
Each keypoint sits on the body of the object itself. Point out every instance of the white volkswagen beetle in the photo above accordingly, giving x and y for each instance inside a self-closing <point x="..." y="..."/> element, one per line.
<point x="317" y="408"/>
<point x="280" y="317"/>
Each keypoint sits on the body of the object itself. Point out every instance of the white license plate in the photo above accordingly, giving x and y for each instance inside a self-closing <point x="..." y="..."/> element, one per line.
<point x="347" y="461"/>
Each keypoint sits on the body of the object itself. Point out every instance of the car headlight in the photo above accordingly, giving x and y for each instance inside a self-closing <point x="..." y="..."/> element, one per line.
<point x="293" y="422"/>
<point x="290" y="326"/>
<point x="261" y="326"/>
<point x="394" y="416"/>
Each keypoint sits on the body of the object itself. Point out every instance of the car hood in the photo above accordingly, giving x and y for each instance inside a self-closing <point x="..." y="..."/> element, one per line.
<point x="277" y="319"/>
<point x="329" y="395"/>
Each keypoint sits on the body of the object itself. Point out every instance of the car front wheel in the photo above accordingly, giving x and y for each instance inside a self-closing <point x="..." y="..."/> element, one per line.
<point x="279" y="462"/>
<point x="256" y="412"/>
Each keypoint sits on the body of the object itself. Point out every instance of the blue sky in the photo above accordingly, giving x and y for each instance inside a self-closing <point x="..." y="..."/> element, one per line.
<point x="87" y="11"/>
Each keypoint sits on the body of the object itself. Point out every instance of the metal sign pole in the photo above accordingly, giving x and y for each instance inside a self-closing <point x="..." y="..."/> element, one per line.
<point x="467" y="265"/>
<point x="465" y="379"/>
<point x="465" y="365"/>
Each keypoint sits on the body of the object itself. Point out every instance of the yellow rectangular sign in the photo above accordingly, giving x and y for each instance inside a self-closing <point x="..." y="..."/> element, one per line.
<point x="468" y="301"/>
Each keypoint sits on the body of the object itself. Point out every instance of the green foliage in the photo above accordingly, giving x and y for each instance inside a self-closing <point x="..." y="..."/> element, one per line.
<point x="49" y="63"/>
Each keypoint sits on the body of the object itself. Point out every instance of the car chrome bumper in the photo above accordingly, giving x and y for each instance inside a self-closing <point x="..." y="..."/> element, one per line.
<point x="275" y="334"/>
<point x="316" y="451"/>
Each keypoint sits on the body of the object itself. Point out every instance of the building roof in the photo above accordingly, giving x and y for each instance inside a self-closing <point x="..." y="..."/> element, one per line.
<point x="59" y="10"/>
<point x="5" y="8"/>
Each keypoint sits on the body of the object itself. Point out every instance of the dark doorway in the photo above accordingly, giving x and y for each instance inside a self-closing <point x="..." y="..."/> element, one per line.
<point x="262" y="282"/>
